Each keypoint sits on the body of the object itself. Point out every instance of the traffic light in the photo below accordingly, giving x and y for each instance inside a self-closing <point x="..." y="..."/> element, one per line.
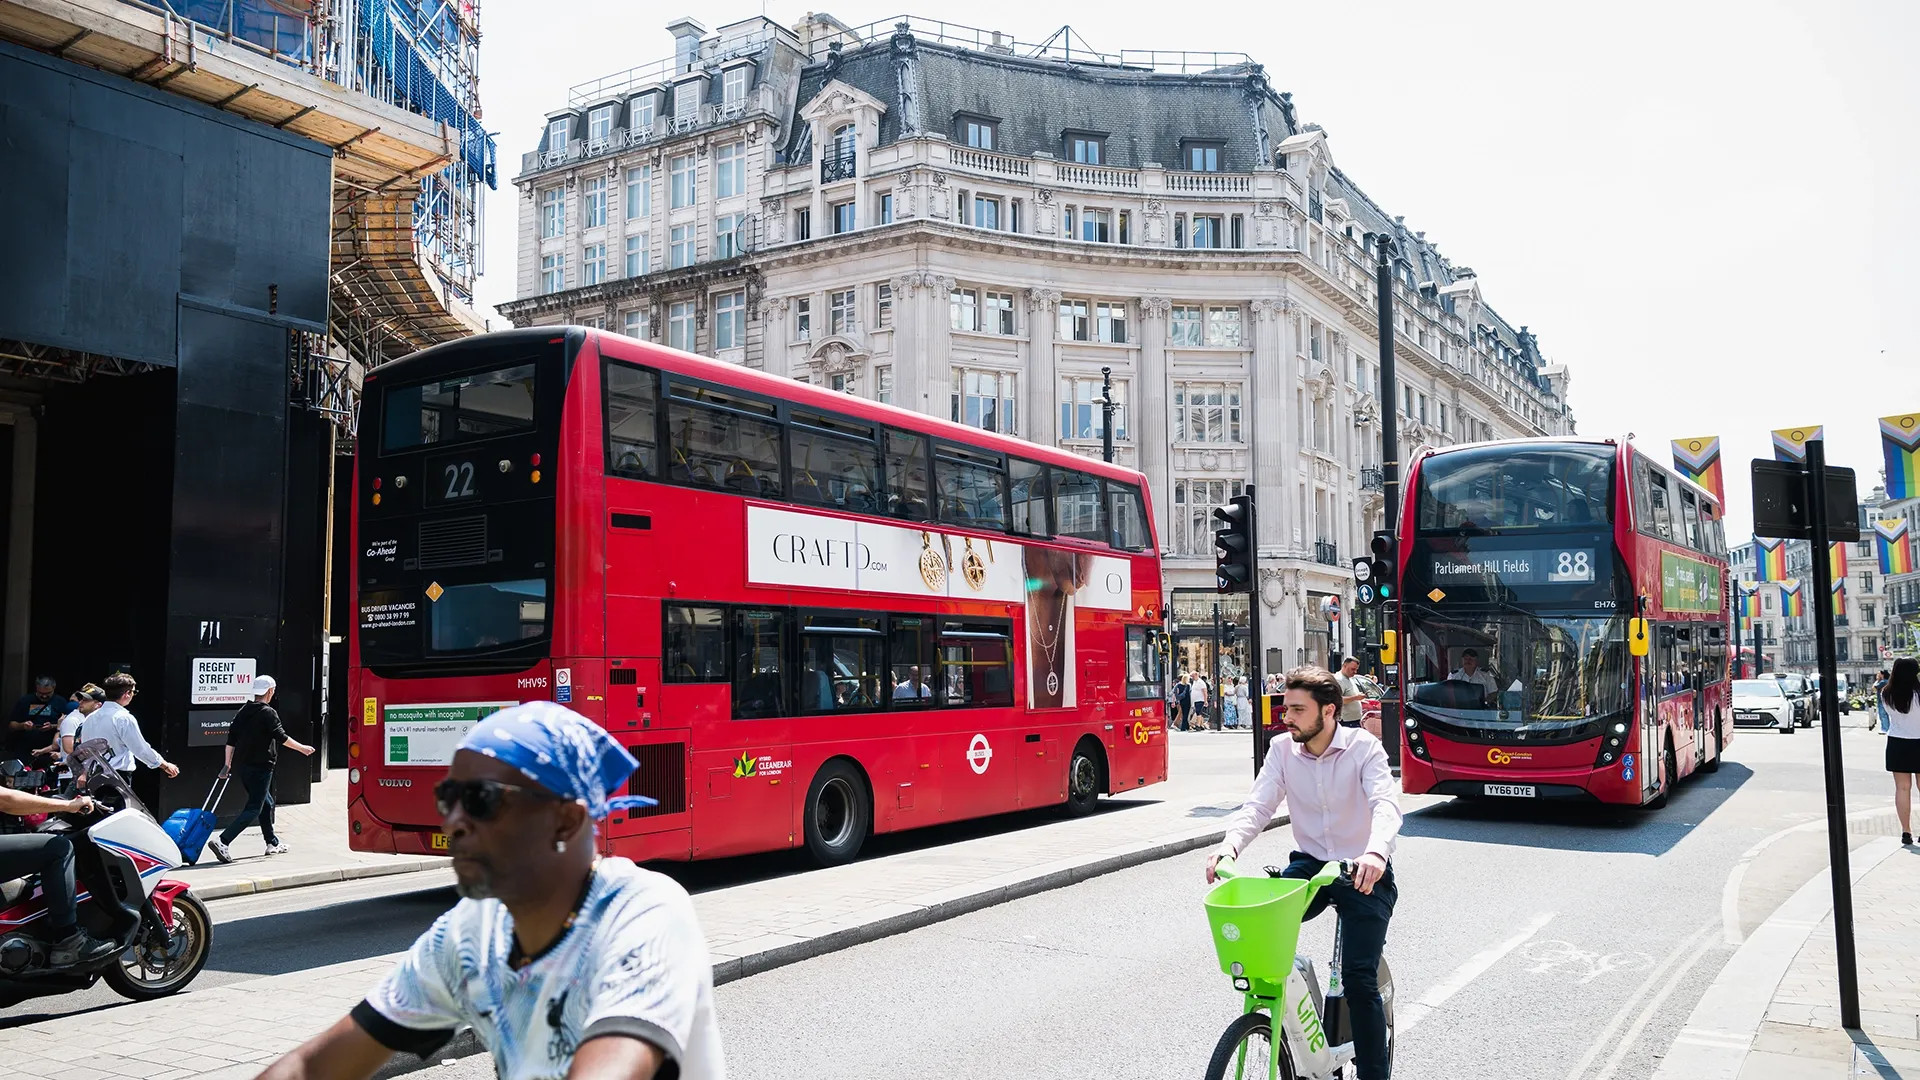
<point x="1233" y="545"/>
<point x="1229" y="634"/>
<point x="1383" y="572"/>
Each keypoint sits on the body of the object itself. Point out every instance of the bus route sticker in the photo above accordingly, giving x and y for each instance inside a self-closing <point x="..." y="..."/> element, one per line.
<point x="979" y="755"/>
<point x="429" y="734"/>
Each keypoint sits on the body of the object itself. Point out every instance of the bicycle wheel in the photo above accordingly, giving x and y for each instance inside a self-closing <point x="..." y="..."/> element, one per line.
<point x="1246" y="1051"/>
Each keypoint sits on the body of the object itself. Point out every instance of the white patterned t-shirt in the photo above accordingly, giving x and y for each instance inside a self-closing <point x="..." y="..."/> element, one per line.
<point x="634" y="963"/>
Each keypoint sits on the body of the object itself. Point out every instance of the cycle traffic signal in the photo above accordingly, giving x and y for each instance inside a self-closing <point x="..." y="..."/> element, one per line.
<point x="1233" y="545"/>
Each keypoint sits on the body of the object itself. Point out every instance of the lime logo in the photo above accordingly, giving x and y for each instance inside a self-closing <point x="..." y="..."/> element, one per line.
<point x="1230" y="931"/>
<point x="746" y="766"/>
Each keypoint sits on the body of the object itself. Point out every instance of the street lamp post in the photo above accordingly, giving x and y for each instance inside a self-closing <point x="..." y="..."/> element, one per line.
<point x="1106" y="414"/>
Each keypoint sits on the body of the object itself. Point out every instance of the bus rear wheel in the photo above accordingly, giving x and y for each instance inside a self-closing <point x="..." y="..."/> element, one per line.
<point x="839" y="815"/>
<point x="1086" y="778"/>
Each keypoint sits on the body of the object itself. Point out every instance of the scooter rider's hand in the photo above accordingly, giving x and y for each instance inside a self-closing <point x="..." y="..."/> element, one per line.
<point x="80" y="804"/>
<point x="1367" y="870"/>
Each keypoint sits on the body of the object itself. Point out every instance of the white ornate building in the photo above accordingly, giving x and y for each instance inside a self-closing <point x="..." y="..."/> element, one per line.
<point x="964" y="225"/>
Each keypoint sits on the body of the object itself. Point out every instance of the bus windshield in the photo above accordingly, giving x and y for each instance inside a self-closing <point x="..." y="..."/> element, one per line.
<point x="1503" y="487"/>
<point x="1511" y="669"/>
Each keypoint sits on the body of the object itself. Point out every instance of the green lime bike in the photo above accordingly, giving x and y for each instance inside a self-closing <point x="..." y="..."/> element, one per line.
<point x="1256" y="929"/>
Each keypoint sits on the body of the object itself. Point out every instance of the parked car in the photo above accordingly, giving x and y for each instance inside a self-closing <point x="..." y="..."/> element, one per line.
<point x="1764" y="702"/>
<point x="1799" y="691"/>
<point x="1370" y="708"/>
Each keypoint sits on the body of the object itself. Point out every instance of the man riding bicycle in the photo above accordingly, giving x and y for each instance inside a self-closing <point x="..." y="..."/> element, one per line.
<point x="1343" y="801"/>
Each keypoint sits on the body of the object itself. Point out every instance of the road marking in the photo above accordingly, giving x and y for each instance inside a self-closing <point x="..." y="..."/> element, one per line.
<point x="1464" y="974"/>
<point x="1707" y="943"/>
<point x="1730" y="893"/>
<point x="1702" y="938"/>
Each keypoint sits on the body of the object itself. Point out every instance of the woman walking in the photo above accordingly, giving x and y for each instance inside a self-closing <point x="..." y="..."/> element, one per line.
<point x="1880" y="687"/>
<point x="1901" y="699"/>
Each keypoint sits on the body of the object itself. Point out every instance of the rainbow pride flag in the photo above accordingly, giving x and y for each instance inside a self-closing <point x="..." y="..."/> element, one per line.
<point x="1749" y="603"/>
<point x="1838" y="561"/>
<point x="1790" y="444"/>
<point x="1900" y="441"/>
<point x="1699" y="461"/>
<point x="1793" y="598"/>
<point x="1896" y="550"/>
<point x="1769" y="559"/>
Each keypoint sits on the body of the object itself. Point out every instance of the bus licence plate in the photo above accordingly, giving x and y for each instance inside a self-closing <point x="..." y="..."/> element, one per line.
<point x="1523" y="791"/>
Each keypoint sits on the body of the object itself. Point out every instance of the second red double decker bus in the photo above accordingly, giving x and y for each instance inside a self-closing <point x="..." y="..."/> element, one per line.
<point x="810" y="617"/>
<point x="1528" y="569"/>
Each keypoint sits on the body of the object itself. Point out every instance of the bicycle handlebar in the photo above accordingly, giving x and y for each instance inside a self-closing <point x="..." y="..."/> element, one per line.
<point x="1342" y="871"/>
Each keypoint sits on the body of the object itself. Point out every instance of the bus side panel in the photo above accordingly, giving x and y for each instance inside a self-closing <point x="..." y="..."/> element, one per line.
<point x="580" y="541"/>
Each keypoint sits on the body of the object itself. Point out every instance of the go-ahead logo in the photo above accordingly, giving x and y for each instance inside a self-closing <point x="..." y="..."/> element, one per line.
<point x="1497" y="756"/>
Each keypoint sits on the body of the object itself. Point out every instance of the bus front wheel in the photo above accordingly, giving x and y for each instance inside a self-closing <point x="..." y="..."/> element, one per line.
<point x="1086" y="778"/>
<point x="839" y="813"/>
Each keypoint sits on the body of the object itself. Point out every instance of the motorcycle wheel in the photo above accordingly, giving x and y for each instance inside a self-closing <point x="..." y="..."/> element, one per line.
<point x="144" y="972"/>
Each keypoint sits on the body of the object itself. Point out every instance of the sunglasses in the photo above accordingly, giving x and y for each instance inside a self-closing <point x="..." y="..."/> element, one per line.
<point x="481" y="799"/>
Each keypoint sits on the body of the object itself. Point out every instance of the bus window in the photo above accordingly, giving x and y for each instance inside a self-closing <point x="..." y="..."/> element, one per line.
<point x="1127" y="516"/>
<point x="1144" y="677"/>
<point x="910" y="646"/>
<point x="631" y="417"/>
<point x="459" y="408"/>
<point x="1662" y="510"/>
<point x="696" y="644"/>
<point x="724" y="440"/>
<point x="1076" y="506"/>
<point x="976" y="662"/>
<point x="759" y="666"/>
<point x="1642" y="502"/>
<point x="1029" y="487"/>
<point x="907" y="493"/>
<point x="1497" y="488"/>
<point x="840" y="662"/>
<point x="972" y="485"/>
<point x="1690" y="518"/>
<point x="835" y="463"/>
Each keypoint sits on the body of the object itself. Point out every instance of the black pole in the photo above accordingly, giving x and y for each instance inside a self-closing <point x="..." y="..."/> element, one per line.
<point x="1106" y="414"/>
<point x="1739" y="613"/>
<point x="1257" y="667"/>
<point x="1218" y="637"/>
<point x="1389" y="406"/>
<point x="1837" y="856"/>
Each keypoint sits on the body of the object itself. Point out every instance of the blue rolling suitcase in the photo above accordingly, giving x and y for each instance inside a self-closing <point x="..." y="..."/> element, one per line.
<point x="191" y="828"/>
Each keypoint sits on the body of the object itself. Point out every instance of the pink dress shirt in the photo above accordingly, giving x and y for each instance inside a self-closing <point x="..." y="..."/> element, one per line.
<point x="1344" y="803"/>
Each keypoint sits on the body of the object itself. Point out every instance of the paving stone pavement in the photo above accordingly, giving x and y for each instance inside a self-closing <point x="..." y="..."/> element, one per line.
<point x="1801" y="1037"/>
<point x="230" y="1031"/>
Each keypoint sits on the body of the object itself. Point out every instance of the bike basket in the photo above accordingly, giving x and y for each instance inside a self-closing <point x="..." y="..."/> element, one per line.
<point x="1256" y="923"/>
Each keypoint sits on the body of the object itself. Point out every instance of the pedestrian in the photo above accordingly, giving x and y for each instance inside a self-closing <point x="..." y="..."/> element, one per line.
<point x="1245" y="703"/>
<point x="1902" y="700"/>
<point x="86" y="701"/>
<point x="35" y="721"/>
<point x="1351" y="714"/>
<point x="1183" y="699"/>
<point x="253" y="742"/>
<point x="562" y="963"/>
<point x="1880" y="687"/>
<point x="112" y="722"/>
<point x="1229" y="708"/>
<point x="1199" y="702"/>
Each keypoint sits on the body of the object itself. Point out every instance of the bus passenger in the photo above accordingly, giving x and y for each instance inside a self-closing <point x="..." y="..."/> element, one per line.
<point x="912" y="688"/>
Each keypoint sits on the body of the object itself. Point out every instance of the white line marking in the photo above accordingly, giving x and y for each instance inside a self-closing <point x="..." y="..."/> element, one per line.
<point x="1464" y="974"/>
<point x="1606" y="1037"/>
<point x="1647" y="1014"/>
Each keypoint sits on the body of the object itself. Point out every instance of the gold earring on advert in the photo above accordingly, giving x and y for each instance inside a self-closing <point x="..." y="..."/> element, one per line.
<point x="933" y="569"/>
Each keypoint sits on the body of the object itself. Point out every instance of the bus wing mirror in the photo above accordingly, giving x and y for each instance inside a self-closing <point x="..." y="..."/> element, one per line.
<point x="1637" y="643"/>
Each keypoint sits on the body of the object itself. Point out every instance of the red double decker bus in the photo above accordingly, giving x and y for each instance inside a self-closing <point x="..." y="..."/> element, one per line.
<point x="809" y="616"/>
<point x="1534" y="575"/>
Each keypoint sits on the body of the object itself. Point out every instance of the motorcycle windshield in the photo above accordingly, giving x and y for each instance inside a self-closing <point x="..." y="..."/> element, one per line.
<point x="94" y="776"/>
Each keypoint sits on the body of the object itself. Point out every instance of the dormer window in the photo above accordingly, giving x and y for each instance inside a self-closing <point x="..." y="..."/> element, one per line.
<point x="1084" y="148"/>
<point x="600" y="124"/>
<point x="643" y="112"/>
<point x="1202" y="155"/>
<point x="557" y="134"/>
<point x="978" y="132"/>
<point x="686" y="101"/>
<point x="733" y="86"/>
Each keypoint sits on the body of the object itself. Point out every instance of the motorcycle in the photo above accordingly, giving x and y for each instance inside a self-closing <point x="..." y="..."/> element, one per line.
<point x="121" y="855"/>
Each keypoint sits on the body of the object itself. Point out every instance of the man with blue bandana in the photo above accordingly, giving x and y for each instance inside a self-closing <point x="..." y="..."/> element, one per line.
<point x="564" y="964"/>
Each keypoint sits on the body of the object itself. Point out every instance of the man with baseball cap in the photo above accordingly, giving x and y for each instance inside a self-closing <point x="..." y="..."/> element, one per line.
<point x="563" y="963"/>
<point x="253" y="742"/>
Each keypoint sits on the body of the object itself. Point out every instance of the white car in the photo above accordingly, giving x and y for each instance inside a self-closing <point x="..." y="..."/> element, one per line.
<point x="1764" y="702"/>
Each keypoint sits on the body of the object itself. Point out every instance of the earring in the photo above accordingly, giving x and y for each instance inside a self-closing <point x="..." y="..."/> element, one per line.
<point x="560" y="847"/>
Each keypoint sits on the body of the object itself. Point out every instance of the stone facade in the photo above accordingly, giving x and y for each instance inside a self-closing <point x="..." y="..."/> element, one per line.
<point x="977" y="235"/>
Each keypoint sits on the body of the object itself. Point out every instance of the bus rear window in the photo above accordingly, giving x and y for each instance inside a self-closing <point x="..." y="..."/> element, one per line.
<point x="460" y="408"/>
<point x="1501" y="487"/>
<point x="488" y="615"/>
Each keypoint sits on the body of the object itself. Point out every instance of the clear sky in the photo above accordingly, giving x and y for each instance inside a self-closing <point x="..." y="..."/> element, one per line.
<point x="1709" y="211"/>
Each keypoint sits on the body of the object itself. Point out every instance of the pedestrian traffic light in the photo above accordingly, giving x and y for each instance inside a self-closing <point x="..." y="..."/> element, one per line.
<point x="1229" y="634"/>
<point x="1233" y="545"/>
<point x="1383" y="570"/>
